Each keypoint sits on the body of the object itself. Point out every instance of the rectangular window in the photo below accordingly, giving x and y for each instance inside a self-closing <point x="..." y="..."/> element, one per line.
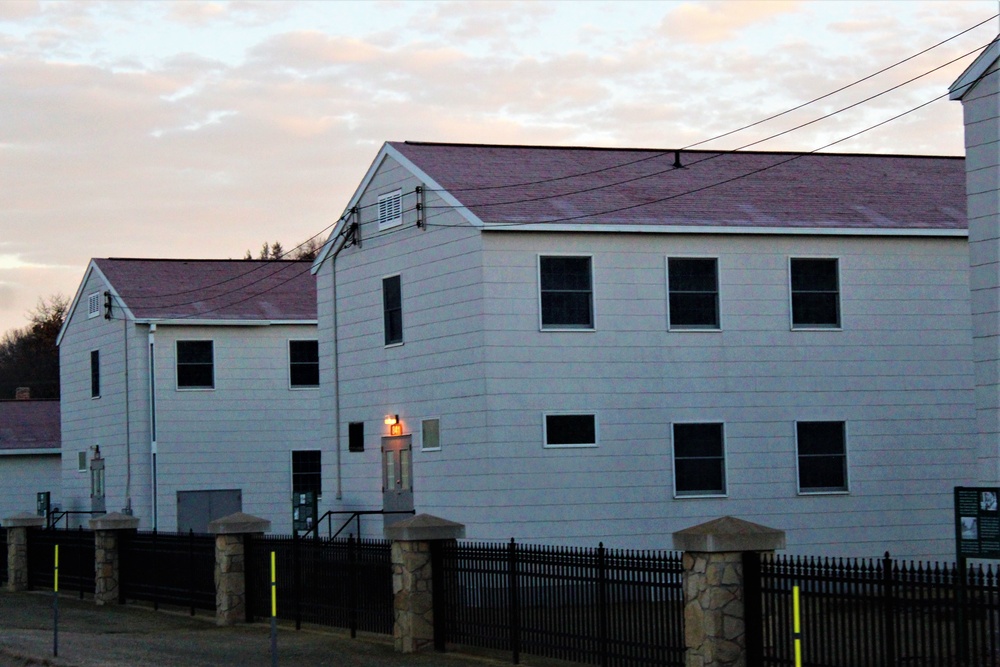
<point x="699" y="460"/>
<point x="95" y="373"/>
<point x="356" y="437"/>
<point x="195" y="364"/>
<point x="570" y="430"/>
<point x="81" y="462"/>
<point x="815" y="290"/>
<point x="566" y="292"/>
<point x="390" y="210"/>
<point x="93" y="305"/>
<point x="307" y="472"/>
<point x="694" y="293"/>
<point x="392" y="308"/>
<point x="303" y="363"/>
<point x="430" y="435"/>
<point x="822" y="455"/>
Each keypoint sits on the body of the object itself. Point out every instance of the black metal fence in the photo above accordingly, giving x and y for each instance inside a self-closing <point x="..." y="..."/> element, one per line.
<point x="168" y="568"/>
<point x="3" y="555"/>
<point x="344" y="583"/>
<point x="613" y="608"/>
<point x="878" y="612"/>
<point x="76" y="559"/>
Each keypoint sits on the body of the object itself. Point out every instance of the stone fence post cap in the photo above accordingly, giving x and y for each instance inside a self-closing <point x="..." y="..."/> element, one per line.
<point x="23" y="520"/>
<point x="424" y="528"/>
<point x="114" y="521"/>
<point x="239" y="523"/>
<point x="729" y="534"/>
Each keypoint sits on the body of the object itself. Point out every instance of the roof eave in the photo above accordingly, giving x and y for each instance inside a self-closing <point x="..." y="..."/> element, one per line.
<point x="192" y="322"/>
<point x="721" y="229"/>
<point x="975" y="71"/>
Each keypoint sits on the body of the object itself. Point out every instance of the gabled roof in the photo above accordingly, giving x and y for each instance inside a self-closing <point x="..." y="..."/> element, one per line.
<point x="975" y="71"/>
<point x="29" y="425"/>
<point x="516" y="186"/>
<point x="206" y="290"/>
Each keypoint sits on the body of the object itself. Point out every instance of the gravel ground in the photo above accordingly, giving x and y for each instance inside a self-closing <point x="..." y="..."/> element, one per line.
<point x="131" y="636"/>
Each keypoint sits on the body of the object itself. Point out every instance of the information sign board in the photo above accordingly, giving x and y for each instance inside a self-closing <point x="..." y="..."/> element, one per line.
<point x="977" y="522"/>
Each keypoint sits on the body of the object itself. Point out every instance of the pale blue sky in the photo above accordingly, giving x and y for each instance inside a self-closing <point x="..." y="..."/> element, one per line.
<point x="202" y="129"/>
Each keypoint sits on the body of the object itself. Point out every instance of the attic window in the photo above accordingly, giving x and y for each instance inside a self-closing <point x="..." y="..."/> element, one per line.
<point x="390" y="210"/>
<point x="94" y="305"/>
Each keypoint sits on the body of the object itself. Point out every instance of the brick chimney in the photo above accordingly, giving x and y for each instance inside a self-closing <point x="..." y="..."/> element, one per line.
<point x="22" y="393"/>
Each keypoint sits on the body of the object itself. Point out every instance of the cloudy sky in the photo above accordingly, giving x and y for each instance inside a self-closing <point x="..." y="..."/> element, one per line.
<point x="202" y="129"/>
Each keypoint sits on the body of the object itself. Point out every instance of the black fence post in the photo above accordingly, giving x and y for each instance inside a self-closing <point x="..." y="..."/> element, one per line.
<point x="513" y="612"/>
<point x="439" y="591"/>
<point x="753" y="604"/>
<point x="191" y="569"/>
<point x="353" y="577"/>
<point x="154" y="573"/>
<point x="249" y="577"/>
<point x="602" y="604"/>
<point x="297" y="577"/>
<point x="888" y="611"/>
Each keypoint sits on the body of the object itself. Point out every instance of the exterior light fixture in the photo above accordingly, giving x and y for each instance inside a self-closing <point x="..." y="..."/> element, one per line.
<point x="395" y="428"/>
<point x="390" y="420"/>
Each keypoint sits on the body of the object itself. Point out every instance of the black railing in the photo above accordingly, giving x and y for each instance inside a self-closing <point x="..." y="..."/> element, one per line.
<point x="599" y="606"/>
<point x="76" y="559"/>
<point x="177" y="569"/>
<point x="352" y="516"/>
<point x="878" y="613"/>
<point x="334" y="582"/>
<point x="3" y="550"/>
<point x="55" y="516"/>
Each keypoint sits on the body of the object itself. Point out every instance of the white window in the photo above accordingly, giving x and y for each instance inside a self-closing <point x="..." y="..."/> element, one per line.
<point x="693" y="287"/>
<point x="390" y="210"/>
<point x="699" y="460"/>
<point x="195" y="364"/>
<point x="81" y="462"/>
<point x="566" y="292"/>
<point x="430" y="435"/>
<point x="303" y="363"/>
<point x="822" y="456"/>
<point x="815" y="293"/>
<point x="95" y="373"/>
<point x="307" y="472"/>
<point x="569" y="430"/>
<point x="392" y="310"/>
<point x="94" y="305"/>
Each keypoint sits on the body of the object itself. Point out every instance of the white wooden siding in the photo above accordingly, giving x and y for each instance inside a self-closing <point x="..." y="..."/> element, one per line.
<point x="23" y="476"/>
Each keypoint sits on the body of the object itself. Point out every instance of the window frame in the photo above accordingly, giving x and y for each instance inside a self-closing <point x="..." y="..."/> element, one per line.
<point x="791" y="295"/>
<point x="567" y="413"/>
<point x="389" y="209"/>
<point x="718" y="298"/>
<point x="92" y="299"/>
<point x="385" y="312"/>
<point x="542" y="326"/>
<point x="291" y="364"/>
<point x="293" y="474"/>
<point x="724" y="461"/>
<point x="177" y="365"/>
<point x="352" y="426"/>
<point x="845" y="461"/>
<point x="423" y="432"/>
<point x="82" y="464"/>
<point x="95" y="374"/>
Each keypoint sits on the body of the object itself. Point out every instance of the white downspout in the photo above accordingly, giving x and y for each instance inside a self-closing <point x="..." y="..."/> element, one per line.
<point x="336" y="364"/>
<point x="152" y="422"/>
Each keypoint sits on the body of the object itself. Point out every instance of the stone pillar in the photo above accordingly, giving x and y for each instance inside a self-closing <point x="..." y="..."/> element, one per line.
<point x="230" y="564"/>
<point x="107" y="540"/>
<point x="714" y="619"/>
<point x="17" y="548"/>
<point x="412" y="577"/>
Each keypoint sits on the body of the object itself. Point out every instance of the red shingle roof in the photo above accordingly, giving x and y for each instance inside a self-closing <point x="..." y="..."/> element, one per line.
<point x="590" y="186"/>
<point x="213" y="289"/>
<point x="30" y="424"/>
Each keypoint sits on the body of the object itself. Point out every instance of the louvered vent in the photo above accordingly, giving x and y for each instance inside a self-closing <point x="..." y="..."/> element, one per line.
<point x="390" y="210"/>
<point x="94" y="304"/>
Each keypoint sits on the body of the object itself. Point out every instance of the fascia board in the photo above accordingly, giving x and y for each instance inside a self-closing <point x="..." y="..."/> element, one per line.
<point x="92" y="268"/>
<point x="449" y="198"/>
<point x="766" y="231"/>
<point x="972" y="74"/>
<point x="191" y="322"/>
<point x="40" y="451"/>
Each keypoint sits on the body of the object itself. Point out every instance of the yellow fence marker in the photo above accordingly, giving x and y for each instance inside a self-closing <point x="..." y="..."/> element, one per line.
<point x="55" y="605"/>
<point x="55" y="585"/>
<point x="274" y="615"/>
<point x="797" y="626"/>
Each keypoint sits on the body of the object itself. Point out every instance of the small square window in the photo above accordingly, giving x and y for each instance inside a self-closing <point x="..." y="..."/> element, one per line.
<point x="694" y="293"/>
<point x="95" y="373"/>
<point x="430" y="435"/>
<point x="390" y="210"/>
<point x="195" y="364"/>
<point x="307" y="472"/>
<point x="699" y="460"/>
<point x="566" y="291"/>
<point x="303" y="363"/>
<point x="356" y="437"/>
<point x="822" y="457"/>
<point x="815" y="291"/>
<point x="570" y="430"/>
<point x="392" y="306"/>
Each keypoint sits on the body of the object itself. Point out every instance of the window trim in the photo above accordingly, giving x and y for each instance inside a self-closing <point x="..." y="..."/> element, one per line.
<point x="791" y="309"/>
<point x="593" y="303"/>
<point x="824" y="491"/>
<point x="430" y="449"/>
<point x="95" y="374"/>
<point x="718" y="296"/>
<point x="396" y="201"/>
<point x="581" y="445"/>
<point x="288" y="349"/>
<point x="92" y="299"/>
<point x="177" y="364"/>
<point x="385" y="330"/>
<point x="725" y="462"/>
<point x="291" y="471"/>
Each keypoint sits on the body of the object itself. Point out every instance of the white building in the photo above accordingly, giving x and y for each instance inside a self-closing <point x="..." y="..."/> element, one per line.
<point x="586" y="345"/>
<point x="29" y="453"/>
<point x="197" y="380"/>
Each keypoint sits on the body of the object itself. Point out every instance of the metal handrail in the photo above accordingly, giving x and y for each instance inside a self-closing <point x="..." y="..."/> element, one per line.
<point x="353" y="516"/>
<point x="56" y="516"/>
